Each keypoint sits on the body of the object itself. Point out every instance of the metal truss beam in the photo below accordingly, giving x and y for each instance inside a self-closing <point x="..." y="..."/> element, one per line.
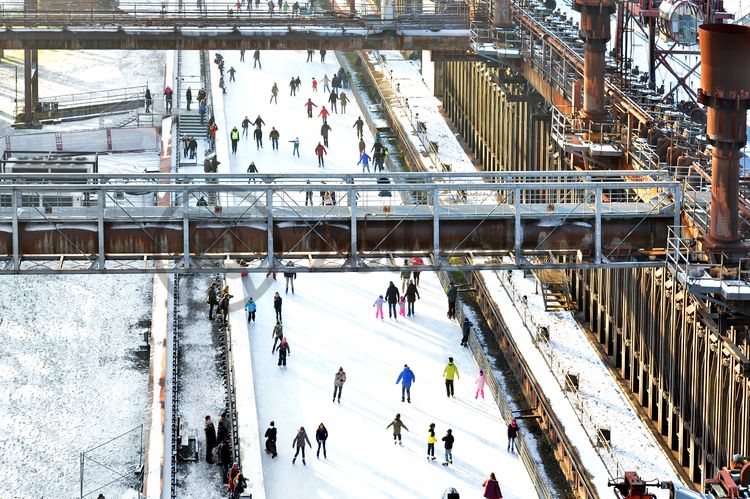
<point x="360" y="220"/>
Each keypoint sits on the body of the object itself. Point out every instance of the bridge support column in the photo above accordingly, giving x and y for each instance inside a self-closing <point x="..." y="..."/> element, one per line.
<point x="595" y="32"/>
<point x="501" y="16"/>
<point x="30" y="86"/>
<point x="725" y="90"/>
<point x="386" y="10"/>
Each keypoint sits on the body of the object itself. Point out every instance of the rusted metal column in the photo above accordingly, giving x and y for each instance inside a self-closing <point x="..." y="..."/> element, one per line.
<point x="501" y="16"/>
<point x="595" y="32"/>
<point x="725" y="90"/>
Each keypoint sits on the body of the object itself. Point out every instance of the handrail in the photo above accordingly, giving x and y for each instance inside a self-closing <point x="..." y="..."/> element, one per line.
<point x="544" y="406"/>
<point x="477" y="352"/>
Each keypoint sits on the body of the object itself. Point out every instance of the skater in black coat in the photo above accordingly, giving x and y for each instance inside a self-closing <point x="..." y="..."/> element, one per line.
<point x="321" y="435"/>
<point x="412" y="294"/>
<point x="465" y="330"/>
<point x="452" y="296"/>
<point x="391" y="296"/>
<point x="284" y="350"/>
<point x="271" y="440"/>
<point x="277" y="306"/>
<point x="210" y="430"/>
<point x="448" y="444"/>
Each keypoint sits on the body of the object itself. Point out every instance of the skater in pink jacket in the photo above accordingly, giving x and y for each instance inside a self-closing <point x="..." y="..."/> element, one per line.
<point x="480" y="385"/>
<point x="379" y="307"/>
<point x="402" y="306"/>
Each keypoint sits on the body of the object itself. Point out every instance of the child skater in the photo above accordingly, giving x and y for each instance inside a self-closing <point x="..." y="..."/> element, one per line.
<point x="379" y="307"/>
<point x="402" y="306"/>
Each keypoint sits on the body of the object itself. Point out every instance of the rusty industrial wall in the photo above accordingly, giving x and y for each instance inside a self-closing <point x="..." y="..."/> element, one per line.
<point x="503" y="121"/>
<point x="683" y="360"/>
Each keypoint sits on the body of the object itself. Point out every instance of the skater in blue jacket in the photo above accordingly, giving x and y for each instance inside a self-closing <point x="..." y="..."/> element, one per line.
<point x="406" y="378"/>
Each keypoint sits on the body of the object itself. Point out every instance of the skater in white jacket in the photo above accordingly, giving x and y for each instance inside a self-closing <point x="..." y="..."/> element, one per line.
<point x="480" y="385"/>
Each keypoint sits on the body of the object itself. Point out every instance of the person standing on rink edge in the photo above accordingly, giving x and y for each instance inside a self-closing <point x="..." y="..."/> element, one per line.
<point x="338" y="383"/>
<point x="450" y="372"/>
<point x="299" y="443"/>
<point x="397" y="424"/>
<point x="212" y="301"/>
<point x="452" y="296"/>
<point x="321" y="435"/>
<point x="210" y="430"/>
<point x="465" y="331"/>
<point x="406" y="378"/>
<point x="512" y="434"/>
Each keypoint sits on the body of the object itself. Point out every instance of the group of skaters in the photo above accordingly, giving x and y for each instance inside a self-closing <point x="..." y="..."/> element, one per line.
<point x="405" y="299"/>
<point x="336" y="98"/>
<point x="219" y="451"/>
<point x="218" y="298"/>
<point x="281" y="6"/>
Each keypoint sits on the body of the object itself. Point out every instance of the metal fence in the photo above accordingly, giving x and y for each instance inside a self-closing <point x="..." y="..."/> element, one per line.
<point x="483" y="363"/>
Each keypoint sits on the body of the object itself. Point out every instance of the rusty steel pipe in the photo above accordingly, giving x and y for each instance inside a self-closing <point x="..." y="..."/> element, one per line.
<point x="625" y="235"/>
<point x="725" y="90"/>
<point x="501" y="15"/>
<point x="595" y="32"/>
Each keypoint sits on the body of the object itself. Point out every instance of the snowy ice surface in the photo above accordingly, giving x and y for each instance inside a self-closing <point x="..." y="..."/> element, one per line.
<point x="634" y="445"/>
<point x="330" y="322"/>
<point x="70" y="379"/>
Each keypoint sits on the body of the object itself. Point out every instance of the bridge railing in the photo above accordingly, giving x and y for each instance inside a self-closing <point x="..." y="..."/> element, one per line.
<point x="364" y="14"/>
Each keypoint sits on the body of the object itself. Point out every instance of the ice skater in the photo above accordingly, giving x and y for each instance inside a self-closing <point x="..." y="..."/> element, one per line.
<point x="319" y="152"/>
<point x="465" y="331"/>
<point x="299" y="442"/>
<point x="512" y="434"/>
<point x="406" y="378"/>
<point x="295" y="145"/>
<point x="274" y="93"/>
<point x="250" y="307"/>
<point x="412" y="295"/>
<point x="448" y="444"/>
<point x="290" y="275"/>
<point x="492" y="488"/>
<point x="402" y="306"/>
<point x="452" y="296"/>
<point x="480" y="385"/>
<point x="338" y="384"/>
<point x="379" y="307"/>
<point x="431" y="442"/>
<point x="364" y="159"/>
<point x="359" y="124"/>
<point x="271" y="440"/>
<point x="284" y="350"/>
<point x="450" y="372"/>
<point x="392" y="295"/>
<point x="321" y="435"/>
<point x="277" y="305"/>
<point x="277" y="335"/>
<point x="397" y="424"/>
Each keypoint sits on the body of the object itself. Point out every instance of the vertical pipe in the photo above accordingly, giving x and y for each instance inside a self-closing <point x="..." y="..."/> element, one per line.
<point x="353" y="223"/>
<point x="595" y="32"/>
<point x="28" y="101"/>
<point x="652" y="53"/>
<point x="517" y="230"/>
<point x="598" y="226"/>
<point x="436" y="226"/>
<point x="186" y="229"/>
<point x="16" y="249"/>
<point x="269" y="228"/>
<point x="101" y="262"/>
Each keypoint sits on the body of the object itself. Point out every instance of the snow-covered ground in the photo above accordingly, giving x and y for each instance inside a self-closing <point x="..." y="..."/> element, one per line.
<point x="73" y="372"/>
<point x="201" y="387"/>
<point x="634" y="446"/>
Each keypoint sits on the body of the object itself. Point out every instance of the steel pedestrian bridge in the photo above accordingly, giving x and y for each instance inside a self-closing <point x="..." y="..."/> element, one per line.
<point x="341" y="25"/>
<point x="358" y="222"/>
